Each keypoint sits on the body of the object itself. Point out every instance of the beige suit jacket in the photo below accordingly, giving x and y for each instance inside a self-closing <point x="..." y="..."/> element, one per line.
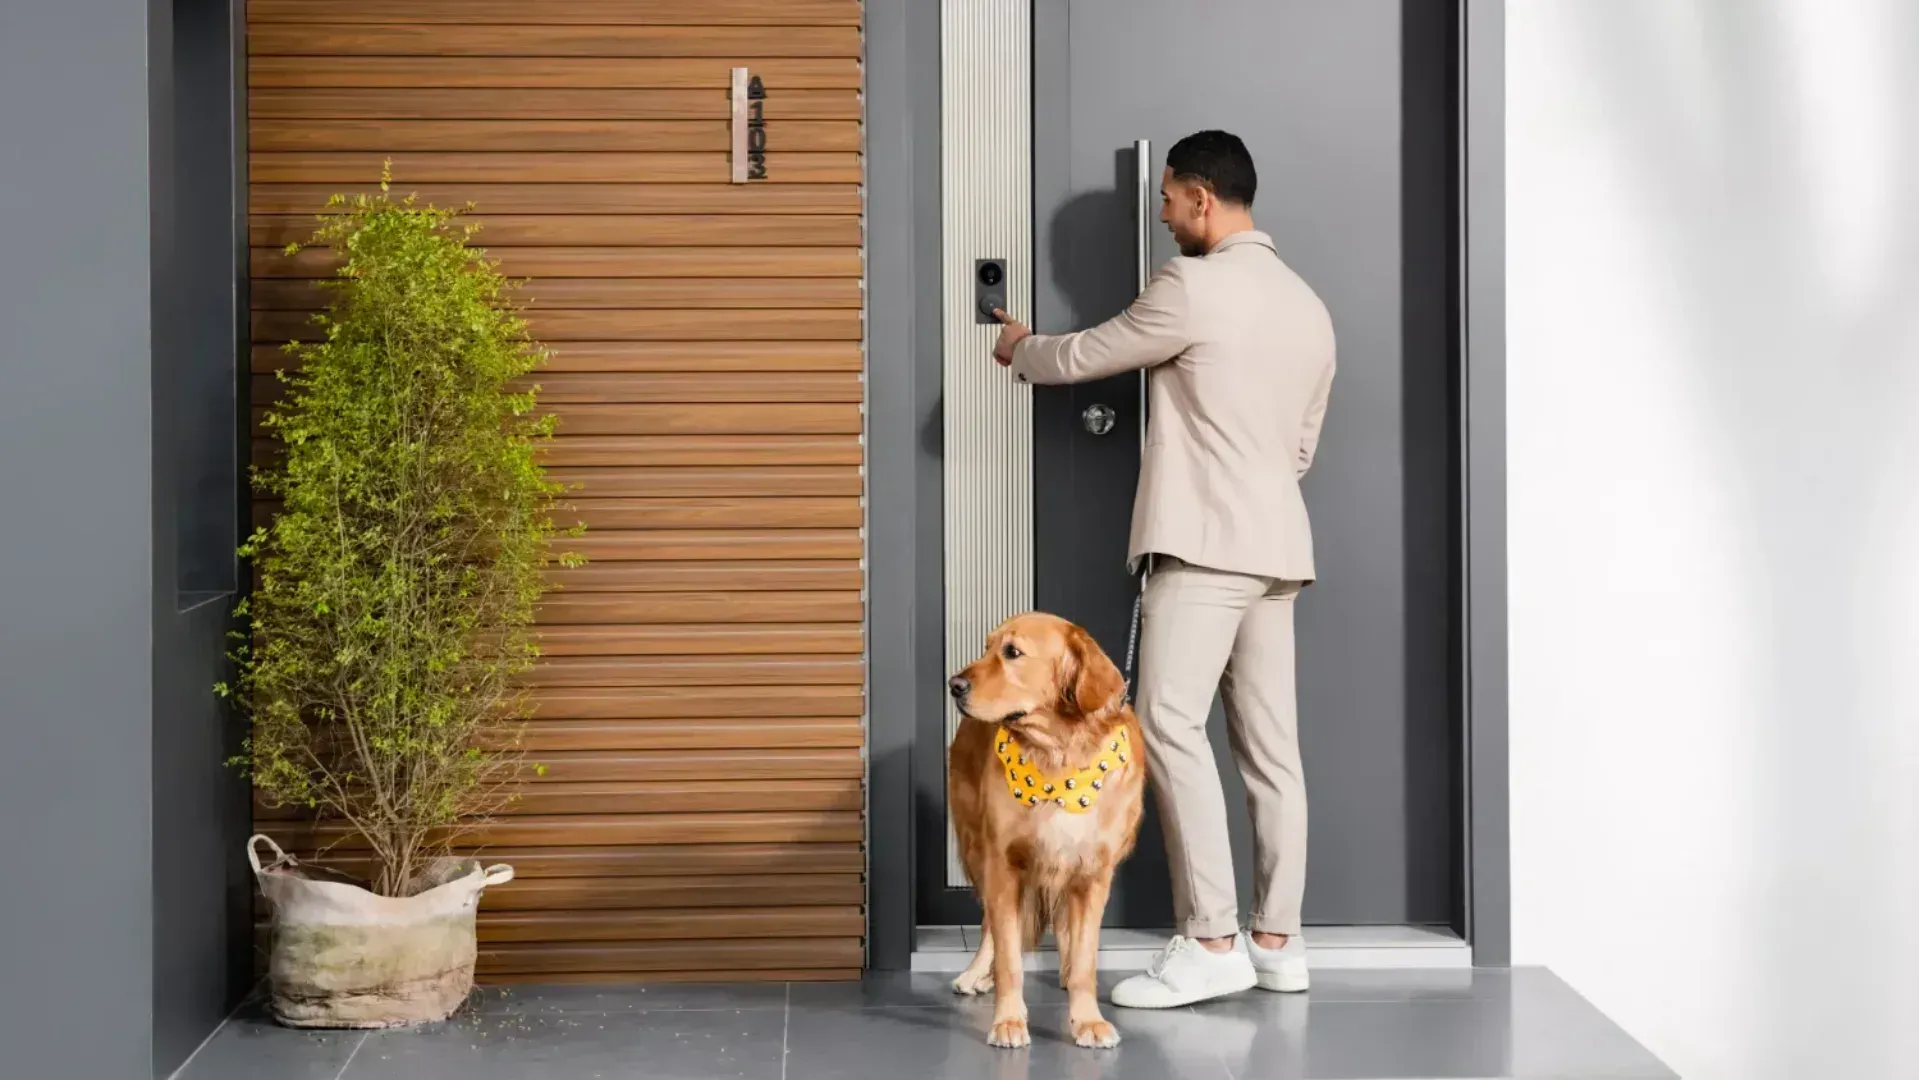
<point x="1239" y="351"/>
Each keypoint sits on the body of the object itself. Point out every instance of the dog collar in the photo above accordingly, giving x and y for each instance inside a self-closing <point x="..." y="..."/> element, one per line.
<point x="1074" y="792"/>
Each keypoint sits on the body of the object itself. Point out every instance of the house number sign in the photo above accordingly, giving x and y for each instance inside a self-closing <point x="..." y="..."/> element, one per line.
<point x="749" y="127"/>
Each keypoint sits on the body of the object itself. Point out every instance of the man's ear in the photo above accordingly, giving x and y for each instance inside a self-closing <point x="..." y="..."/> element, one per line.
<point x="1089" y="681"/>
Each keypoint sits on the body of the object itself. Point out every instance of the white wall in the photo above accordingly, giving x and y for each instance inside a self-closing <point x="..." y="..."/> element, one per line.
<point x="1713" y="294"/>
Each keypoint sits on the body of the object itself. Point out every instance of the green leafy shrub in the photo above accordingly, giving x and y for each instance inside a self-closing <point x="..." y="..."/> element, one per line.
<point x="396" y="586"/>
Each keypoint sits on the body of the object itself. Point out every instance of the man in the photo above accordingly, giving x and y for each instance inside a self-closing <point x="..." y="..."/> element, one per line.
<point x="1240" y="352"/>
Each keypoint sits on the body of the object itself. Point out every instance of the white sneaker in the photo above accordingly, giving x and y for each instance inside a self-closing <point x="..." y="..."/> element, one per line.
<point x="1185" y="972"/>
<point x="1282" y="969"/>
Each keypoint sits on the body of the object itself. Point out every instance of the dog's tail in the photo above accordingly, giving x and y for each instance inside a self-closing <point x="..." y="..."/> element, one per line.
<point x="1038" y="912"/>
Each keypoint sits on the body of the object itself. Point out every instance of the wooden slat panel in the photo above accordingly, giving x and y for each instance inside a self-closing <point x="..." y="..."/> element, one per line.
<point x="660" y="860"/>
<point x="599" y="830"/>
<point x="738" y="955"/>
<point x="590" y="894"/>
<point x="717" y="639"/>
<point x="627" y="791"/>
<point x="334" y="40"/>
<point x="302" y="294"/>
<point x="586" y="450"/>
<point x="509" y="982"/>
<point x="536" y="72"/>
<point x="802" y="670"/>
<point x="663" y="356"/>
<point x="562" y="12"/>
<point x="786" y="735"/>
<point x="609" y="262"/>
<point x="616" y="230"/>
<point x="689" y="356"/>
<point x="719" y="198"/>
<point x="695" y="702"/>
<point x="684" y="513"/>
<point x="663" y="767"/>
<point x="307" y="167"/>
<point x="655" y="325"/>
<point x="698" y="709"/>
<point x="693" y="419"/>
<point x="687" y="388"/>
<point x="668" y="924"/>
<point x="662" y="324"/>
<point x="796" y="419"/>
<point x="628" y="796"/>
<point x="559" y="388"/>
<point x="631" y="136"/>
<point x="627" y="482"/>
<point x="701" y="450"/>
<point x="313" y="103"/>
<point x="719" y="544"/>
<point x="756" y="607"/>
<point x="726" y="576"/>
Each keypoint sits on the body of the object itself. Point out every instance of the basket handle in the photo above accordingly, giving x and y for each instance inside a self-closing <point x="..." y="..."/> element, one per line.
<point x="497" y="874"/>
<point x="280" y="858"/>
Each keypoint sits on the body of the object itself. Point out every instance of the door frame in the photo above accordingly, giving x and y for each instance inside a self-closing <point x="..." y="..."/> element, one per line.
<point x="904" y="610"/>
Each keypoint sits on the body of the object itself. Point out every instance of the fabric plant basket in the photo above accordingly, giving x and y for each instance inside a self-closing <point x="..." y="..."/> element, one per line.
<point x="343" y="956"/>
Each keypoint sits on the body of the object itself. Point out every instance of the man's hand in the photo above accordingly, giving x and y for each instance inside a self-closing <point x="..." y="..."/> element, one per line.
<point x="1010" y="333"/>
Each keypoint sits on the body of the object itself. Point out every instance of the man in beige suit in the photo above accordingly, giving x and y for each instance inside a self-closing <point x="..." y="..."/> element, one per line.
<point x="1240" y="356"/>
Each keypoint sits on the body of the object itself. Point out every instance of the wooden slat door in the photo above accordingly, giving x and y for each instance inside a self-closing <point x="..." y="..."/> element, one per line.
<point x="700" y="698"/>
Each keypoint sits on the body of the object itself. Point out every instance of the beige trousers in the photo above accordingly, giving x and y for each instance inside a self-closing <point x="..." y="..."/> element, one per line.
<point x="1204" y="631"/>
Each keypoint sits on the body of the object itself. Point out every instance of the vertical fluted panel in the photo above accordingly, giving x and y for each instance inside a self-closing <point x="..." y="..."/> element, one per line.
<point x="986" y="205"/>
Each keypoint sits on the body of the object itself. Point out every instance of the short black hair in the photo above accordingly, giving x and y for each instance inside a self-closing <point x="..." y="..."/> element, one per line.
<point x="1220" y="161"/>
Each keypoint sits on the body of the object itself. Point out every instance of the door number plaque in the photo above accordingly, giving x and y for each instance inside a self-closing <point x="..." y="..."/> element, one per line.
<point x="749" y="126"/>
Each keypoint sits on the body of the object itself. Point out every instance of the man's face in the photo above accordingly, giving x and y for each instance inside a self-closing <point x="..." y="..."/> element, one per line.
<point x="1183" y="205"/>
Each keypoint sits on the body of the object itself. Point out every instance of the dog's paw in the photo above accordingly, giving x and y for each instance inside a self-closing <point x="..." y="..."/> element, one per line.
<point x="1095" y="1034"/>
<point x="971" y="984"/>
<point x="1010" y="1034"/>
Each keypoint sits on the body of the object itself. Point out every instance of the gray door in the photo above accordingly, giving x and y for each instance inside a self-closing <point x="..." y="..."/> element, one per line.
<point x="1346" y="106"/>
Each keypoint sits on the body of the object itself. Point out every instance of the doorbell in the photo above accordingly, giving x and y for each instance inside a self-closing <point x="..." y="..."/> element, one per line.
<point x="989" y="289"/>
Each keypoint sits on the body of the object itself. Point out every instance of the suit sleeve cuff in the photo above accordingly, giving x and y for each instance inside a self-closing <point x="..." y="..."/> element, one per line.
<point x="1021" y="366"/>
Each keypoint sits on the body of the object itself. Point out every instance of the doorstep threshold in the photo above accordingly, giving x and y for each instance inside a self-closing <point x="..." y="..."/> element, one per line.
<point x="946" y="949"/>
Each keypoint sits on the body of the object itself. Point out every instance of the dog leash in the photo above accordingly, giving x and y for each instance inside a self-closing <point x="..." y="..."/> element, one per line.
<point x="1132" y="631"/>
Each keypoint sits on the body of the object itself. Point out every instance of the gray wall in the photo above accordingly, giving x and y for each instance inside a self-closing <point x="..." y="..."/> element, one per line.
<point x="121" y="827"/>
<point x="76" y="558"/>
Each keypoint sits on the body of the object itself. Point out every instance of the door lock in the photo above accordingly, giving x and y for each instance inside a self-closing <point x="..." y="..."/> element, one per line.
<point x="1099" y="419"/>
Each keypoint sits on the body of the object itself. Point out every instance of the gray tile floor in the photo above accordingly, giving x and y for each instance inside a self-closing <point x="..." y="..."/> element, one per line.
<point x="1354" y="1025"/>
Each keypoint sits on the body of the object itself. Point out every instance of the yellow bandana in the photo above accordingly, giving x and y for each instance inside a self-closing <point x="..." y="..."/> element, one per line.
<point x="1074" y="792"/>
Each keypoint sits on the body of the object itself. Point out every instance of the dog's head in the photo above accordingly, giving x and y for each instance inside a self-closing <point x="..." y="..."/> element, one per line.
<point x="1043" y="676"/>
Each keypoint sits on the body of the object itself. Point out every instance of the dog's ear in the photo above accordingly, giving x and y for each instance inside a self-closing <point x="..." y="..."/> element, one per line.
<point x="1089" y="682"/>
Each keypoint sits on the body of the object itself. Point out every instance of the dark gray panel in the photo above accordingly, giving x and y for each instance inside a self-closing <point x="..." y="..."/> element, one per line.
<point x="76" y="559"/>
<point x="198" y="378"/>
<point x="201" y="899"/>
<point x="1358" y="192"/>
<point x="906" y="617"/>
<point x="1485" y="237"/>
<point x="895" y="75"/>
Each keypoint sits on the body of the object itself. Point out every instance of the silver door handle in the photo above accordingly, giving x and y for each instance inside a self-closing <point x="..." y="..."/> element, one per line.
<point x="1142" y="253"/>
<point x="1099" y="419"/>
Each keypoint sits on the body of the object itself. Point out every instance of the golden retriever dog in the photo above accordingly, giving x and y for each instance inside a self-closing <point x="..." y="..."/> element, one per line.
<point x="1045" y="785"/>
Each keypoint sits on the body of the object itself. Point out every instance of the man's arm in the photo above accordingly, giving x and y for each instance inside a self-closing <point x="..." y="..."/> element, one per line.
<point x="1150" y="331"/>
<point x="1314" y="419"/>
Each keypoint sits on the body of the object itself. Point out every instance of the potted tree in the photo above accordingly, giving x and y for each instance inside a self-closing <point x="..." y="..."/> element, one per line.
<point x="392" y="611"/>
